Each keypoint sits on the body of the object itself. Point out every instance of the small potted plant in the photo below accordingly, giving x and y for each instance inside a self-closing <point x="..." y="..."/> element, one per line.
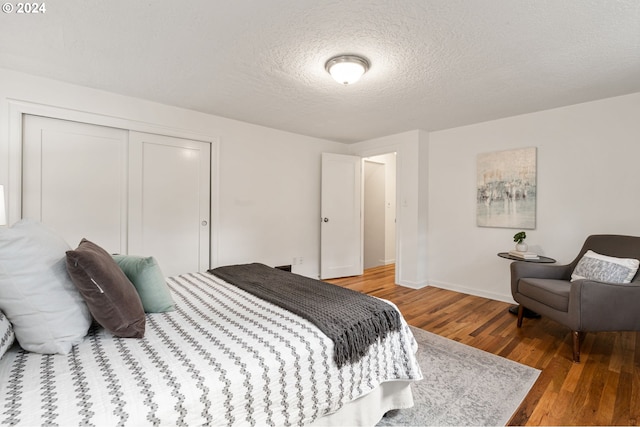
<point x="519" y="239"/>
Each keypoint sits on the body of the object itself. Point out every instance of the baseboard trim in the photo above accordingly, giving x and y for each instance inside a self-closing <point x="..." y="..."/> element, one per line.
<point x="413" y="285"/>
<point x="470" y="291"/>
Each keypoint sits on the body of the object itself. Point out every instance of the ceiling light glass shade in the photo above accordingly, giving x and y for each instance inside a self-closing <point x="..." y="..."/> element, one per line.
<point x="347" y="69"/>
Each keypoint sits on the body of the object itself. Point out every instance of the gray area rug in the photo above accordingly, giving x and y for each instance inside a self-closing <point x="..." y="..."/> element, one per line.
<point x="462" y="386"/>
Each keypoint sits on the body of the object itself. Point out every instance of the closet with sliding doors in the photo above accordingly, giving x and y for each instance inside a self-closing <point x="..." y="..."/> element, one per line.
<point x="130" y="192"/>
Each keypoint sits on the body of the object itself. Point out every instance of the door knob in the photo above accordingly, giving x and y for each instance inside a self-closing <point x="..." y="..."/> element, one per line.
<point x="326" y="219"/>
<point x="204" y="223"/>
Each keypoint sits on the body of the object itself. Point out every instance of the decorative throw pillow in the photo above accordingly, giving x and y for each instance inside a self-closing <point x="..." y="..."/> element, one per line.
<point x="603" y="268"/>
<point x="146" y="276"/>
<point x="112" y="299"/>
<point x="6" y="334"/>
<point x="46" y="310"/>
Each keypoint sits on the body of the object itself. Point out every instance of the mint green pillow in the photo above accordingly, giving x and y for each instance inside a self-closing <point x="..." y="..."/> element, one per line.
<point x="147" y="278"/>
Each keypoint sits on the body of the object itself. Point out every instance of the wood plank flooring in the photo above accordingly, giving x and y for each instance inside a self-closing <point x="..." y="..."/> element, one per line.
<point x="604" y="389"/>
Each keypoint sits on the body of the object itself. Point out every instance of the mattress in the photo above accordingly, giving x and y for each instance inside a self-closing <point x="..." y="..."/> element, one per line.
<point x="224" y="357"/>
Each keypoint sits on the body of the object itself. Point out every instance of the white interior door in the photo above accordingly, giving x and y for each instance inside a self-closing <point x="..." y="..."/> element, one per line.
<point x="169" y="198"/>
<point x="341" y="216"/>
<point x="74" y="179"/>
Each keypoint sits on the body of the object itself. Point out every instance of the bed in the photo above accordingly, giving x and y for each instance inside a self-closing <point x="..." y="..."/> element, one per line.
<point x="222" y="357"/>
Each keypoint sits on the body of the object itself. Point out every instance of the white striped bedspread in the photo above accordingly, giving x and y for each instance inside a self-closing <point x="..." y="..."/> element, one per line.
<point x="224" y="357"/>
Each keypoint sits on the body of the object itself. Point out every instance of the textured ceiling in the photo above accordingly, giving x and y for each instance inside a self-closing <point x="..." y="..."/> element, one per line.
<point x="435" y="64"/>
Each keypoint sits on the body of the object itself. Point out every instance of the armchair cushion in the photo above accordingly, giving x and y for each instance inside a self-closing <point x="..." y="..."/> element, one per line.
<point x="522" y="269"/>
<point x="602" y="268"/>
<point x="551" y="292"/>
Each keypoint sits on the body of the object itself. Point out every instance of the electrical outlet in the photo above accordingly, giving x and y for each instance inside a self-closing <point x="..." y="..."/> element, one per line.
<point x="294" y="261"/>
<point x="300" y="260"/>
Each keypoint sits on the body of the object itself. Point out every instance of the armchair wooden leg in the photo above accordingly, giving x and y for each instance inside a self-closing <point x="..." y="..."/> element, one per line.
<point x="577" y="339"/>
<point x="520" y="315"/>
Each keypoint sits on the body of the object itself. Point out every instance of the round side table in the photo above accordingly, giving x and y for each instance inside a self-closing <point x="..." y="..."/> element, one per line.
<point x="540" y="259"/>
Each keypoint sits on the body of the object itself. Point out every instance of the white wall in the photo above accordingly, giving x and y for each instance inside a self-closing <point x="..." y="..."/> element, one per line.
<point x="588" y="183"/>
<point x="270" y="197"/>
<point x="266" y="192"/>
<point x="268" y="182"/>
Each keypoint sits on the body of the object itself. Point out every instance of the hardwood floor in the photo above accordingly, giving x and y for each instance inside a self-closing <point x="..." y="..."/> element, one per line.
<point x="604" y="389"/>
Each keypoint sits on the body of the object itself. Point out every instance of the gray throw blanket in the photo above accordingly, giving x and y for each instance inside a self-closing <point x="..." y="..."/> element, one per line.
<point x="352" y="320"/>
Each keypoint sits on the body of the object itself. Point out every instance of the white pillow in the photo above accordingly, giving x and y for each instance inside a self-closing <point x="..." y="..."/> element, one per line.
<point x="603" y="268"/>
<point x="36" y="293"/>
<point x="6" y="334"/>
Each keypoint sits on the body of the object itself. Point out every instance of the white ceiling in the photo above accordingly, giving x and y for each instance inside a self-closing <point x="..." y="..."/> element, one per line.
<point x="435" y="64"/>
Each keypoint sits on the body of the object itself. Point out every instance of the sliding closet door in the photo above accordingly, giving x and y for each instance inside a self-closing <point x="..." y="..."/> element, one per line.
<point x="74" y="179"/>
<point x="169" y="201"/>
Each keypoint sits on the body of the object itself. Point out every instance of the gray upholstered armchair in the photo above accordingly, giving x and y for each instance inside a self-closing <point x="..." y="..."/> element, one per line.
<point x="582" y="305"/>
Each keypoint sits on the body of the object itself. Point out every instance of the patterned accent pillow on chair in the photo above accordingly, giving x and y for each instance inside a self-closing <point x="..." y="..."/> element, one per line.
<point x="603" y="268"/>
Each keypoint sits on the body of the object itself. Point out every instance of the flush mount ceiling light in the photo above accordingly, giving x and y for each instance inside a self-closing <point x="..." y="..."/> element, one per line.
<point x="347" y="69"/>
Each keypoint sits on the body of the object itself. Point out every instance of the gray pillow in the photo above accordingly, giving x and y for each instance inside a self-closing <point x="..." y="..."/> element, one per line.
<point x="111" y="297"/>
<point x="46" y="310"/>
<point x="146" y="276"/>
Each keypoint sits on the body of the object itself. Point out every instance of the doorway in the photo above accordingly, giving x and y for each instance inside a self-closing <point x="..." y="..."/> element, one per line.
<point x="379" y="237"/>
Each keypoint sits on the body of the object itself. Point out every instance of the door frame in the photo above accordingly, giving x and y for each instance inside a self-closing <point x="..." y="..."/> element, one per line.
<point x="17" y="109"/>
<point x="365" y="194"/>
<point x="388" y="149"/>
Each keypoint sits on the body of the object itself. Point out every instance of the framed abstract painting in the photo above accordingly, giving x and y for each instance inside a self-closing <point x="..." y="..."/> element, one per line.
<point x="506" y="189"/>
